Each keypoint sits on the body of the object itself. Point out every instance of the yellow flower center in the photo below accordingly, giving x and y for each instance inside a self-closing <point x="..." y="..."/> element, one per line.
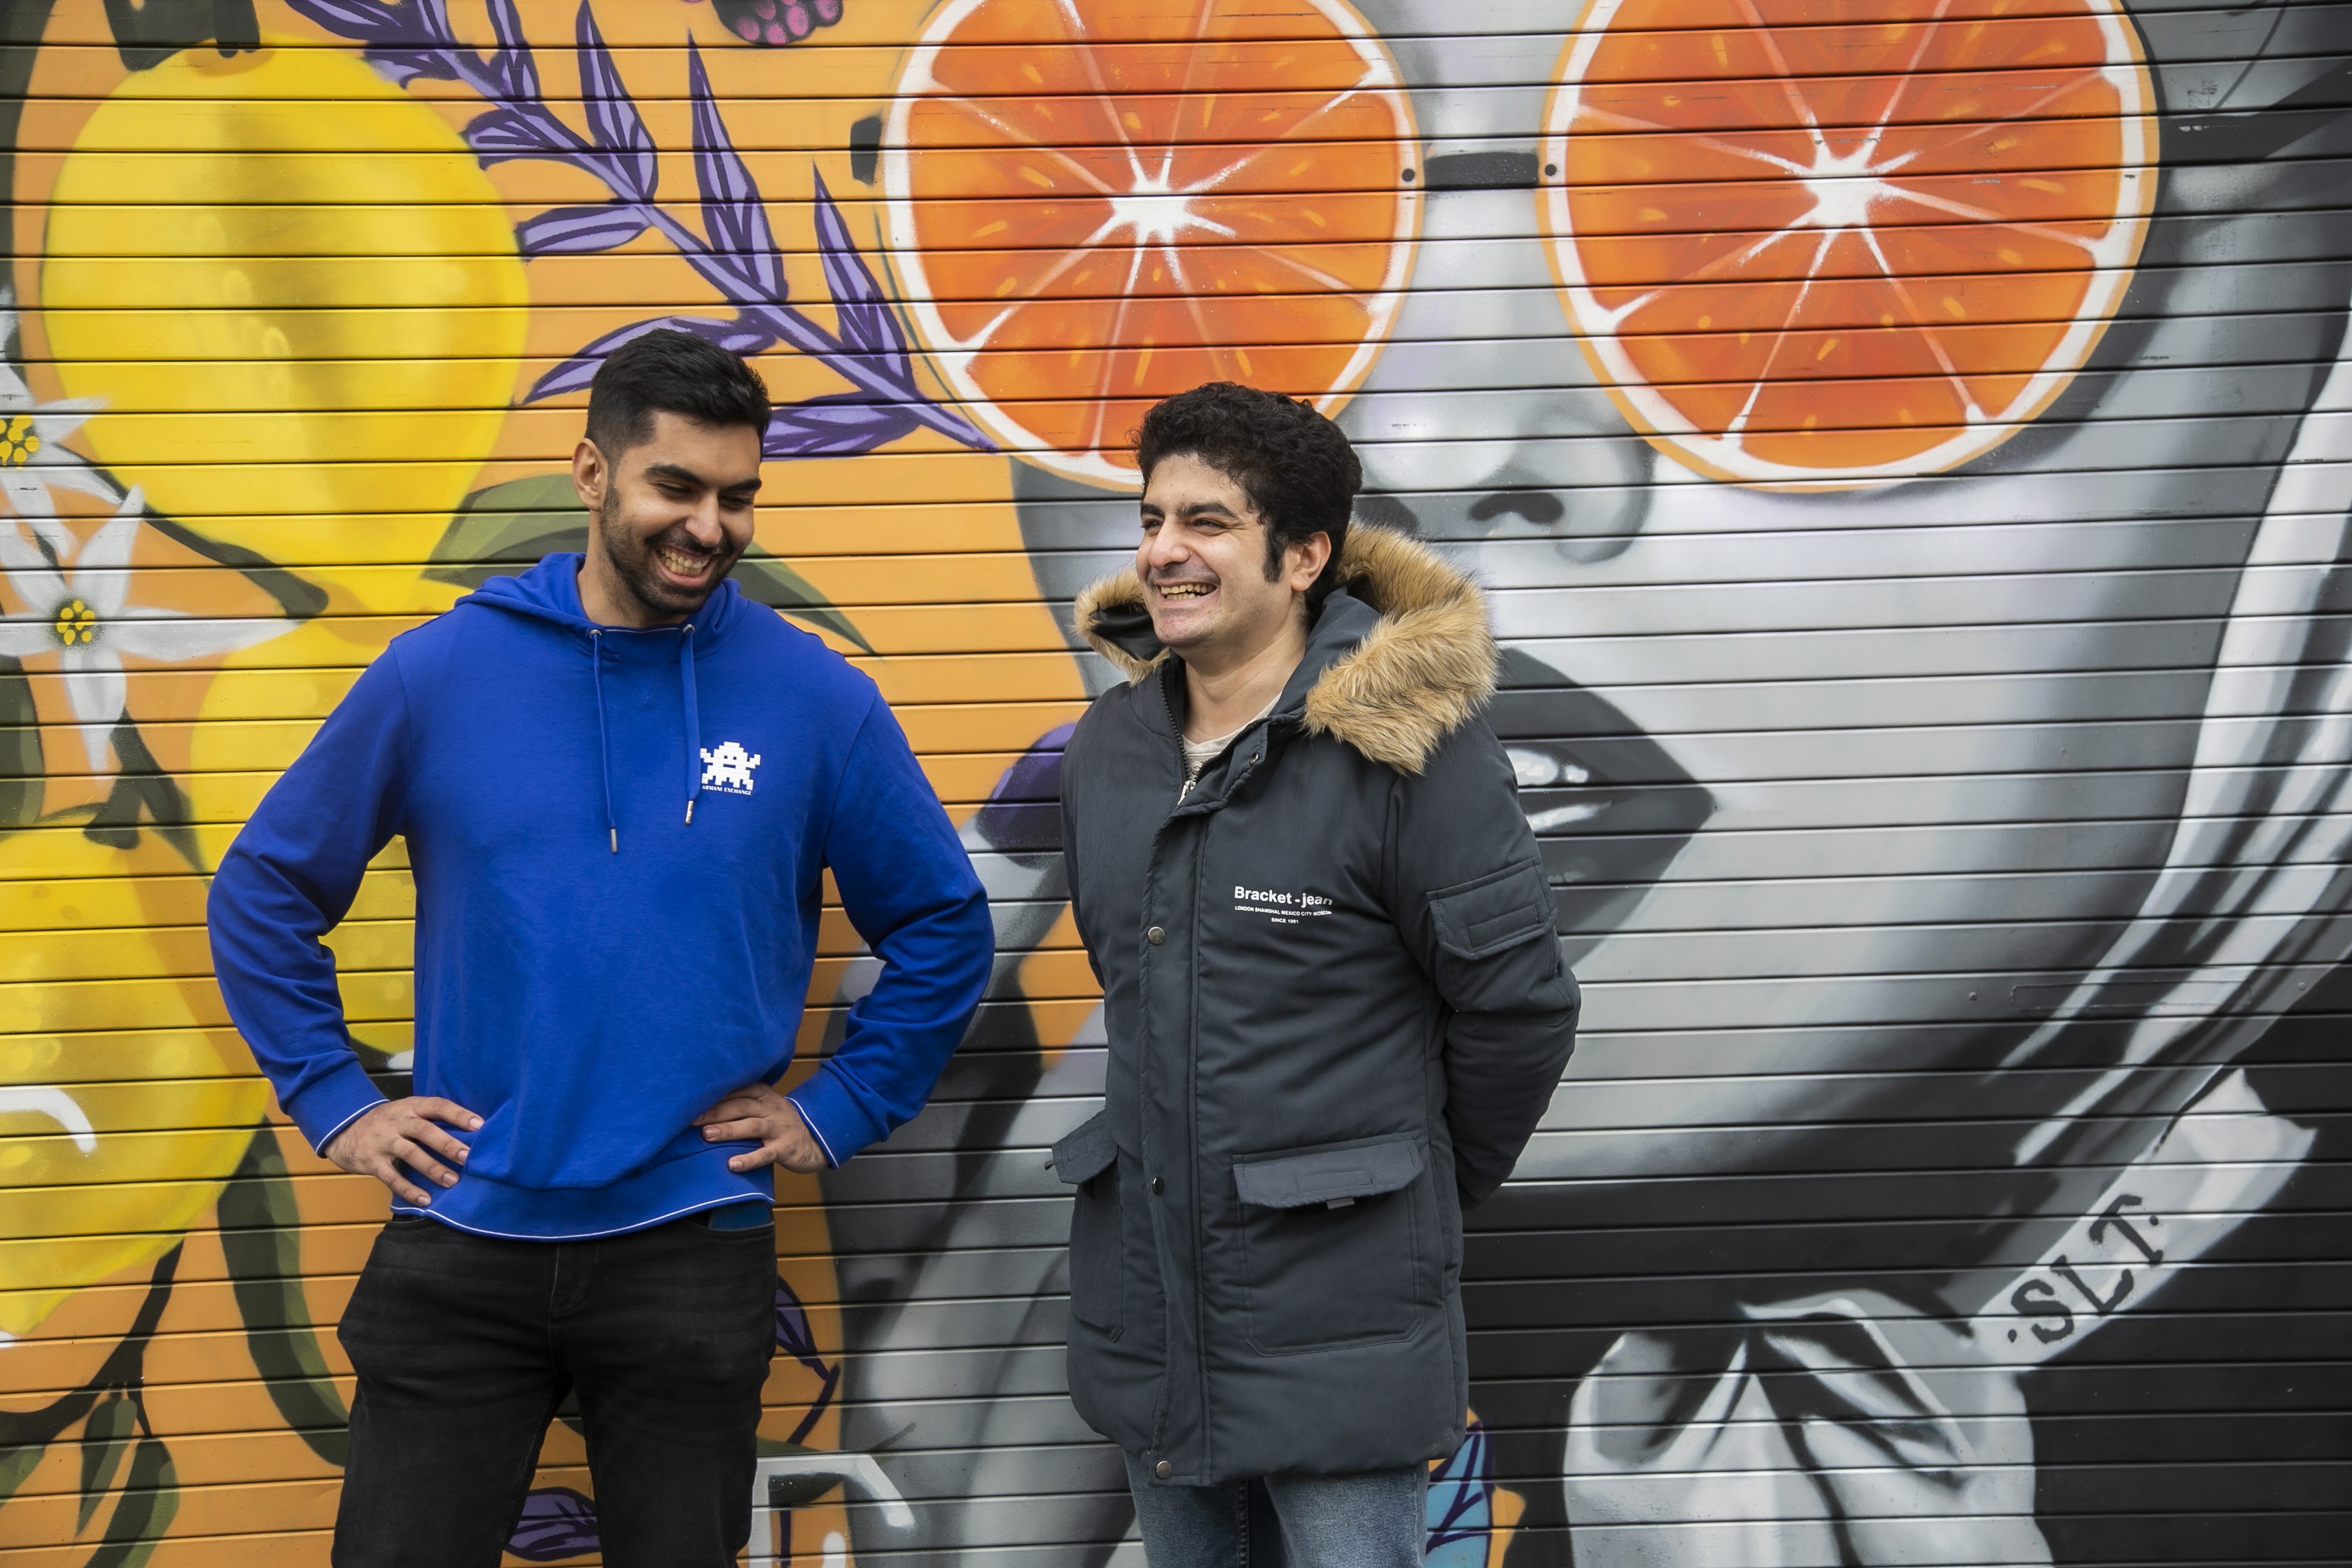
<point x="18" y="442"/>
<point x="76" y="622"/>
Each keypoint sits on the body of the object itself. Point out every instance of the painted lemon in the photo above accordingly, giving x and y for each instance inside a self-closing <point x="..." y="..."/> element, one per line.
<point x="299" y="298"/>
<point x="123" y="1109"/>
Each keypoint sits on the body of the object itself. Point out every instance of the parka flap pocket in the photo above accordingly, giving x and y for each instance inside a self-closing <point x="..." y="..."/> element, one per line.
<point x="1083" y="1155"/>
<point x="1495" y="911"/>
<point x="1330" y="1175"/>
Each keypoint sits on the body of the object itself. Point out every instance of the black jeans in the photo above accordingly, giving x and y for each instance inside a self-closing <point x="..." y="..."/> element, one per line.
<point x="465" y="1345"/>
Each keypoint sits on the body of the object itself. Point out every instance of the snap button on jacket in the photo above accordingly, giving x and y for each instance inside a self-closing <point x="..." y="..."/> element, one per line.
<point x="1336" y="1008"/>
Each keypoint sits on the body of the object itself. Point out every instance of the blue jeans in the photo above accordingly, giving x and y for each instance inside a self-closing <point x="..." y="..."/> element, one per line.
<point x="1378" y="1520"/>
<point x="466" y="1346"/>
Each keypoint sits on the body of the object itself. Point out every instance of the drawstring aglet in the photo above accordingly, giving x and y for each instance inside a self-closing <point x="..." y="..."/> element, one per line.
<point x="689" y="814"/>
<point x="617" y="839"/>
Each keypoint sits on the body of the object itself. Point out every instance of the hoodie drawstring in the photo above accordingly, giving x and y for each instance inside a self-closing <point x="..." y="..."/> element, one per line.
<point x="603" y="743"/>
<point x="686" y="699"/>
<point x="693" y="721"/>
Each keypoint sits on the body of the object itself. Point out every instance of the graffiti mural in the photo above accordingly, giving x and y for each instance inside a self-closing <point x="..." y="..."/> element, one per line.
<point x="1904" y="444"/>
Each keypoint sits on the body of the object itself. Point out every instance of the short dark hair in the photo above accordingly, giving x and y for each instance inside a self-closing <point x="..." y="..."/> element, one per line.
<point x="1295" y="465"/>
<point x="665" y="371"/>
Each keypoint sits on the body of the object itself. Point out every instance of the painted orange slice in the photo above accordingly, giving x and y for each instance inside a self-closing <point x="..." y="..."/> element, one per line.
<point x="1811" y="248"/>
<point x="1094" y="204"/>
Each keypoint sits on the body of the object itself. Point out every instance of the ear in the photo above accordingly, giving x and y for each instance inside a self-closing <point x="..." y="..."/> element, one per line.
<point x="1303" y="563"/>
<point x="590" y="474"/>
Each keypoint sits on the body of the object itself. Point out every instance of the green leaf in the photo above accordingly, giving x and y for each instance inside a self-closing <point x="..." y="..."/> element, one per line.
<point x="500" y="529"/>
<point x="103" y="1438"/>
<point x="16" y="1464"/>
<point x="503" y="529"/>
<point x="766" y="580"/>
<point x="20" y="748"/>
<point x="261" y="1238"/>
<point x="150" y="1496"/>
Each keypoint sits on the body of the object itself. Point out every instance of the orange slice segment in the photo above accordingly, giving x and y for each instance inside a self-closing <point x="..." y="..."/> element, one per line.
<point x="1817" y="254"/>
<point x="1093" y="204"/>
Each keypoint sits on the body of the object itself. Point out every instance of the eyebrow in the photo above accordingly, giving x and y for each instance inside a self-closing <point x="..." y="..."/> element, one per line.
<point x="687" y="476"/>
<point x="1198" y="509"/>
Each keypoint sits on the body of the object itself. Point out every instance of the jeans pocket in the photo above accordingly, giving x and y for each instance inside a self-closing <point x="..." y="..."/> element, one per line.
<point x="1332" y="1244"/>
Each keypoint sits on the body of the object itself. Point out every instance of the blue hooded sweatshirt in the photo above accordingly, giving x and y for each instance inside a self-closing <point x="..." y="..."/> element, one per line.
<point x="618" y="838"/>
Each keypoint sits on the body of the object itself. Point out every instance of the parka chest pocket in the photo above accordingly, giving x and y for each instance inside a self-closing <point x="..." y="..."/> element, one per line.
<point x="1332" y="1244"/>
<point x="1088" y="1160"/>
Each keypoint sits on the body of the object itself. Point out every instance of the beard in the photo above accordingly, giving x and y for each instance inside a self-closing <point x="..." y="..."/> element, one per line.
<point x="632" y="555"/>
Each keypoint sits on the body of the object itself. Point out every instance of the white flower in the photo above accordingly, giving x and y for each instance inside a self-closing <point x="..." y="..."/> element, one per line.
<point x="84" y="619"/>
<point x="33" y="456"/>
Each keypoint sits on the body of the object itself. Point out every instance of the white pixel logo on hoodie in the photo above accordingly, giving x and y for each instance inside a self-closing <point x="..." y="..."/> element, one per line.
<point x="729" y="768"/>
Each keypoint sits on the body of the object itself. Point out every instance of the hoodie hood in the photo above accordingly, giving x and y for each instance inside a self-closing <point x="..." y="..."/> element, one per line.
<point x="550" y="592"/>
<point x="1424" y="668"/>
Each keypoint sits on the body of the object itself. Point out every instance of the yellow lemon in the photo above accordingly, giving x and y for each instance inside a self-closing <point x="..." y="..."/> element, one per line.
<point x="299" y="298"/>
<point x="125" y="1102"/>
<point x="262" y="707"/>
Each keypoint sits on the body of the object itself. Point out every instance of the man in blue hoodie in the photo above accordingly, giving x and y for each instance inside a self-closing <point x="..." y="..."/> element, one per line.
<point x="620" y="783"/>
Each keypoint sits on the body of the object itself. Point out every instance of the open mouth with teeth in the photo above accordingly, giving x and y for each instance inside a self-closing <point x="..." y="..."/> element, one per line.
<point x="1187" y="590"/>
<point x="689" y="569"/>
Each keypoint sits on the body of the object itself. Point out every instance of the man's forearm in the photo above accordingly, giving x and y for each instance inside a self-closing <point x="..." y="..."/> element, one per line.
<point x="1500" y="1071"/>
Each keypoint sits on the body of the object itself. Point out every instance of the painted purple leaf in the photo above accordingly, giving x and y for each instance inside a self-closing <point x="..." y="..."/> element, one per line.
<point x="354" y="18"/>
<point x="511" y="63"/>
<point x="1023" y="816"/>
<point x="580" y="368"/>
<point x="431" y="21"/>
<point x="500" y="133"/>
<point x="867" y="325"/>
<point x="612" y="117"/>
<point x="401" y="67"/>
<point x="744" y="335"/>
<point x="732" y="214"/>
<point x="577" y="231"/>
<point x="794" y="1336"/>
<point x="841" y="426"/>
<point x="556" y="1522"/>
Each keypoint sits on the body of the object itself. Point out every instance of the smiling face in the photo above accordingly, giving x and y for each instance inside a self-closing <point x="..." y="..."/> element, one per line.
<point x="673" y="515"/>
<point x="1212" y="596"/>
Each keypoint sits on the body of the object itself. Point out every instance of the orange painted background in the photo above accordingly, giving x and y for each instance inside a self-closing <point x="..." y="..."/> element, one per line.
<point x="1905" y="444"/>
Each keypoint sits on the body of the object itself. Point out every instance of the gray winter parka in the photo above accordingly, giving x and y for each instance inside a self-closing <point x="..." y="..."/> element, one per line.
<point x="1336" y="1008"/>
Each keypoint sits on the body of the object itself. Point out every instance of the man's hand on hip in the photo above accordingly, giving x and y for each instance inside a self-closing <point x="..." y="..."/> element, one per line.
<point x="401" y="1133"/>
<point x="757" y="1110"/>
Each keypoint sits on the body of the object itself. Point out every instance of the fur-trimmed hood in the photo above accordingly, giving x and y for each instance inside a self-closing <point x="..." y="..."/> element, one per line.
<point x="1421" y="671"/>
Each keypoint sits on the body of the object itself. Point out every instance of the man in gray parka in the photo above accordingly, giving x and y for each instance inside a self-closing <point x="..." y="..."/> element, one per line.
<point x="1335" y="1002"/>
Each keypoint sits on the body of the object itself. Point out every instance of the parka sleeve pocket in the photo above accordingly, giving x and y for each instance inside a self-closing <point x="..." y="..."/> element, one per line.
<point x="1088" y="1160"/>
<point x="1492" y="946"/>
<point x="1336" y="1245"/>
<point x="1478" y="918"/>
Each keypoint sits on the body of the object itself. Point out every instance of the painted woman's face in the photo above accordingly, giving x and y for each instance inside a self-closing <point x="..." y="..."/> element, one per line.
<point x="1841" y="792"/>
<point x="1829" y="783"/>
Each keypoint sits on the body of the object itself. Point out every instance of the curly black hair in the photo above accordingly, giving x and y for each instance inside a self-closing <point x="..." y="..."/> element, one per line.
<point x="1295" y="465"/>
<point x="672" y="371"/>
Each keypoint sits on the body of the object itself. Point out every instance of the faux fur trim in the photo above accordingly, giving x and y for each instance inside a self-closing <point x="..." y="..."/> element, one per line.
<point x="1424" y="670"/>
